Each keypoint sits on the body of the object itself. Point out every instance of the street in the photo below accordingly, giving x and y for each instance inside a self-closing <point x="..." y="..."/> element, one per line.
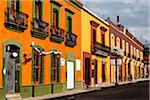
<point x="137" y="91"/>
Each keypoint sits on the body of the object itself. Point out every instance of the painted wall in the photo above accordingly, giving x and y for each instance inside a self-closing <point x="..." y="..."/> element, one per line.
<point x="25" y="39"/>
<point x="86" y="41"/>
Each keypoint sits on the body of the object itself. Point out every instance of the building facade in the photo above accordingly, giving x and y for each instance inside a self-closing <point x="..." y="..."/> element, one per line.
<point x="40" y="47"/>
<point x="146" y="55"/>
<point x="126" y="54"/>
<point x="95" y="49"/>
<point x="50" y="46"/>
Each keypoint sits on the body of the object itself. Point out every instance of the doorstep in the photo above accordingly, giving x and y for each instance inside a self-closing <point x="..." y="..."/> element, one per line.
<point x="15" y="96"/>
<point x="106" y="84"/>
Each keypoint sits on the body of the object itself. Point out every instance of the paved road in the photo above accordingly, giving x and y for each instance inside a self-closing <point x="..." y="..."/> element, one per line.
<point x="138" y="91"/>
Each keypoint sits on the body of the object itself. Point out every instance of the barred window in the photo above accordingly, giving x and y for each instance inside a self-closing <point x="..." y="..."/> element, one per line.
<point x="37" y="67"/>
<point x="55" y="67"/>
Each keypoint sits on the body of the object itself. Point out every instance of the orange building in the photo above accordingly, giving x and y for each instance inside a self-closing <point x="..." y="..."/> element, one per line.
<point x="40" y="47"/>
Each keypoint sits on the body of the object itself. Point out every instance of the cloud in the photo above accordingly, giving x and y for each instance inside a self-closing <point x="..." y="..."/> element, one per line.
<point x="134" y="14"/>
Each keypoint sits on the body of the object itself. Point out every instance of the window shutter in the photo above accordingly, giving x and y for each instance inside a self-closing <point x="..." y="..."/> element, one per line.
<point x="42" y="69"/>
<point x="54" y="17"/>
<point x="67" y="26"/>
<point x="58" y="68"/>
<point x="33" y="65"/>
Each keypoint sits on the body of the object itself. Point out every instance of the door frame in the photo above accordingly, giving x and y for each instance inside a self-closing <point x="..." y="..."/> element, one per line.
<point x="104" y="73"/>
<point x="74" y="74"/>
<point x="71" y="57"/>
<point x="6" y="43"/>
<point x="95" y="71"/>
<point x="87" y="55"/>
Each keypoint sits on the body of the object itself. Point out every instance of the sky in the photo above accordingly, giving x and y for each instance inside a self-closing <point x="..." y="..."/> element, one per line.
<point x="134" y="14"/>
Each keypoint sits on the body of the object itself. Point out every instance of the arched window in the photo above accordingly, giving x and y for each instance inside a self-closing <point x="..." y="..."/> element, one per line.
<point x="123" y="45"/>
<point x="118" y="42"/>
<point x="112" y="40"/>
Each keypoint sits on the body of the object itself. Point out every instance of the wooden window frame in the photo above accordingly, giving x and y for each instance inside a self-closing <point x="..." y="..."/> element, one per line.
<point x="103" y="38"/>
<point x="55" y="17"/>
<point x="55" y="58"/>
<point x="38" y="13"/>
<point x="103" y="30"/>
<point x="69" y="22"/>
<point x="15" y="5"/>
<point x="37" y="66"/>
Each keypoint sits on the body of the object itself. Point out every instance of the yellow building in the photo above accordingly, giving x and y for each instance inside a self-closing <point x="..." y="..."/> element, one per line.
<point x="94" y="49"/>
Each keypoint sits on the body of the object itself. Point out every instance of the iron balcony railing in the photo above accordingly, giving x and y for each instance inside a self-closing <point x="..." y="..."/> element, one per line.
<point x="70" y="39"/>
<point x="57" y="34"/>
<point x="100" y="49"/>
<point x="15" y="20"/>
<point x="40" y="29"/>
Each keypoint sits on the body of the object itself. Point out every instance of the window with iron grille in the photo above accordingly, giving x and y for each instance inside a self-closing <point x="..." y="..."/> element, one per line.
<point x="55" y="67"/>
<point x="38" y="60"/>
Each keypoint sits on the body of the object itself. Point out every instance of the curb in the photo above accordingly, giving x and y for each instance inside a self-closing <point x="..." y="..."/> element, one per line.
<point x="71" y="96"/>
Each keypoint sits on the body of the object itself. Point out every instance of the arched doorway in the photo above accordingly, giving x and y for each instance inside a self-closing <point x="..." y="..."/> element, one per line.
<point x="12" y="65"/>
<point x="11" y="70"/>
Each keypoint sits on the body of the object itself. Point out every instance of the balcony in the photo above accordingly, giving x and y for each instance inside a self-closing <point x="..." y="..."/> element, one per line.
<point x="70" y="39"/>
<point x="16" y="20"/>
<point x="57" y="34"/>
<point x="100" y="49"/>
<point x="39" y="29"/>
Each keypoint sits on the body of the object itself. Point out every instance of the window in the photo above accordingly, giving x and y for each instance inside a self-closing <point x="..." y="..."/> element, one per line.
<point x="38" y="9"/>
<point x="55" y="67"/>
<point x="69" y="24"/>
<point x="103" y="30"/>
<point x="37" y="67"/>
<point x="55" y="18"/>
<point x="15" y="4"/>
<point x="112" y="40"/>
<point x="94" y="36"/>
<point x="103" y="39"/>
<point x="118" y="42"/>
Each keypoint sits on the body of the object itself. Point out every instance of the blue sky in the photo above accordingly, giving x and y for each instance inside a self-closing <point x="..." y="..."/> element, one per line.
<point x="134" y="14"/>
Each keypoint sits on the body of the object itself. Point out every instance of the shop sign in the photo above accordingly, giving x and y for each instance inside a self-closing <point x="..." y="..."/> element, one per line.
<point x="62" y="62"/>
<point x="78" y="62"/>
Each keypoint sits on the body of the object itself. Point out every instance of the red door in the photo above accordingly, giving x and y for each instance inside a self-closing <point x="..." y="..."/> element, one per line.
<point x="95" y="72"/>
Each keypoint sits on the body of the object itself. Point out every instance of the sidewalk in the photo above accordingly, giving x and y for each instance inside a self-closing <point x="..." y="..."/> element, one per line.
<point x="63" y="94"/>
<point x="74" y="92"/>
